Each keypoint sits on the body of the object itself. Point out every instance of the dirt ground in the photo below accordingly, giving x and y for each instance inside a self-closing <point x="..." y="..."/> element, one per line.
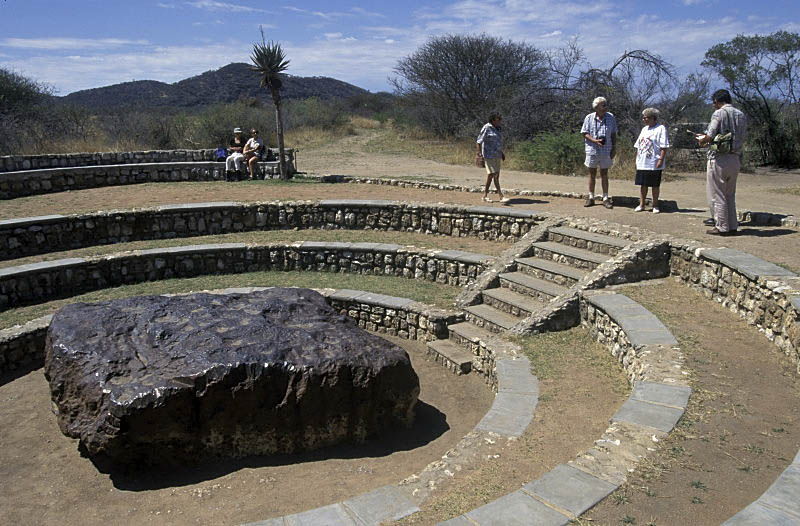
<point x="740" y="431"/>
<point x="46" y="481"/>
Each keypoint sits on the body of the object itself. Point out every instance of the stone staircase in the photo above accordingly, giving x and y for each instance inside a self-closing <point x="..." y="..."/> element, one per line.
<point x="552" y="269"/>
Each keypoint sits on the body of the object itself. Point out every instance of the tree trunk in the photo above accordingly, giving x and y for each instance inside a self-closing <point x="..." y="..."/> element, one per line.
<point x="276" y="98"/>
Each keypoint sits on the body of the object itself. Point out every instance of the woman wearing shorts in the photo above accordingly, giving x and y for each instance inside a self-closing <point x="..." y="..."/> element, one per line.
<point x="490" y="149"/>
<point x="651" y="149"/>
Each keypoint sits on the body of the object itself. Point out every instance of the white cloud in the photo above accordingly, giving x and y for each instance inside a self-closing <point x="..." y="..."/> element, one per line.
<point x="211" y="5"/>
<point x="68" y="43"/>
<point x="166" y="6"/>
<point x="326" y="16"/>
<point x="364" y="12"/>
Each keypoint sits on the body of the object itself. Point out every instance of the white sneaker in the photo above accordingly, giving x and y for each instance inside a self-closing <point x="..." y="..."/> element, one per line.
<point x="488" y="200"/>
<point x="656" y="211"/>
<point x="505" y="200"/>
<point x="638" y="208"/>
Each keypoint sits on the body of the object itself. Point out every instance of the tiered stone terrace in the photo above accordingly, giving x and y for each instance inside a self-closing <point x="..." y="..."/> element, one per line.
<point x="549" y="279"/>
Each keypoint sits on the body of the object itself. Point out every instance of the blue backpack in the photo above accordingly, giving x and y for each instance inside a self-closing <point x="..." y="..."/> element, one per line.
<point x="220" y="154"/>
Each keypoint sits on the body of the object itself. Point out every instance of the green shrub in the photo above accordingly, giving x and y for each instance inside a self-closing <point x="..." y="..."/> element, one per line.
<point x="552" y="152"/>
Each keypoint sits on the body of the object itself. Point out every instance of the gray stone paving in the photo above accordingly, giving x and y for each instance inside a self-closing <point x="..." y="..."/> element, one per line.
<point x="516" y="509"/>
<point x="656" y="416"/>
<point x="570" y="489"/>
<point x="745" y="263"/>
<point x="780" y="504"/>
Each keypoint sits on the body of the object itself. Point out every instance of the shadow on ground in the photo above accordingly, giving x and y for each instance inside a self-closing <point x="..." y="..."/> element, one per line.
<point x="430" y="424"/>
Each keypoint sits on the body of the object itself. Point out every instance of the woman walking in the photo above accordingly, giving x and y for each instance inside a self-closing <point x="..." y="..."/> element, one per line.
<point x="651" y="149"/>
<point x="490" y="151"/>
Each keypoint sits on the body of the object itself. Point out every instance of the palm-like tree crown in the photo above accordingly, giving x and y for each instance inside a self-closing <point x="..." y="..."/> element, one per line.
<point x="269" y="61"/>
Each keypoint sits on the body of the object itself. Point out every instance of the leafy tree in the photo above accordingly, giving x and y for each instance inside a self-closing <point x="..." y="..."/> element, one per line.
<point x="269" y="61"/>
<point x="763" y="74"/>
<point x="455" y="81"/>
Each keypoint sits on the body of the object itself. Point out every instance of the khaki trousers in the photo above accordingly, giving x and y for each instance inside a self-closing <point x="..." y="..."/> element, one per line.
<point x="721" y="176"/>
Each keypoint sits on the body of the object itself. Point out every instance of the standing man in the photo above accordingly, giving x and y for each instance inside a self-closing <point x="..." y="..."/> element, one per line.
<point x="723" y="162"/>
<point x="600" y="141"/>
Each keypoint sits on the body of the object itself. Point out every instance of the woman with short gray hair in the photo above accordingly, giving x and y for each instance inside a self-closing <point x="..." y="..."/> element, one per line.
<point x="651" y="149"/>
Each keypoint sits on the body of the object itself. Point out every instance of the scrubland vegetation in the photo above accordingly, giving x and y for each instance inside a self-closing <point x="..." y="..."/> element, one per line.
<point x="443" y="94"/>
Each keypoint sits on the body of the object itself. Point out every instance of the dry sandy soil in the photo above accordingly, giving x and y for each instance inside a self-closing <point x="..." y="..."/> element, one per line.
<point x="742" y="427"/>
<point x="46" y="481"/>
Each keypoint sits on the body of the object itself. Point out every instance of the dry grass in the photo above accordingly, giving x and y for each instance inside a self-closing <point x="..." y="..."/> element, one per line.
<point x="793" y="190"/>
<point x="422" y="144"/>
<point x="363" y="123"/>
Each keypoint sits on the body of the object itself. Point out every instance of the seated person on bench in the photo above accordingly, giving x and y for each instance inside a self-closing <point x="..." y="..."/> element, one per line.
<point x="234" y="160"/>
<point x="253" y="151"/>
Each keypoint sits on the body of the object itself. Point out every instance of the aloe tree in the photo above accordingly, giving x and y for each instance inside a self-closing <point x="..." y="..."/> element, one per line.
<point x="269" y="61"/>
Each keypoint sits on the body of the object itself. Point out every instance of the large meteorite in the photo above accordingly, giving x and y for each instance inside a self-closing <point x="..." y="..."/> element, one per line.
<point x="177" y="379"/>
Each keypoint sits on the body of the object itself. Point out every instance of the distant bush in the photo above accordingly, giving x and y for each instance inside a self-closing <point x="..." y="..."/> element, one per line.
<point x="315" y="112"/>
<point x="551" y="152"/>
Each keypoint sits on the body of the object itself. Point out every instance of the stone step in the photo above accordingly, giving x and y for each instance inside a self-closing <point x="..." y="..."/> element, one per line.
<point x="489" y="318"/>
<point x="549" y="270"/>
<point x="464" y="333"/>
<point x="450" y="354"/>
<point x="567" y="255"/>
<point x="526" y="284"/>
<point x="577" y="238"/>
<point x="514" y="303"/>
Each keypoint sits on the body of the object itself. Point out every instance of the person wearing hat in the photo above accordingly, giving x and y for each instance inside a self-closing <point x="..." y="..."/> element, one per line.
<point x="233" y="163"/>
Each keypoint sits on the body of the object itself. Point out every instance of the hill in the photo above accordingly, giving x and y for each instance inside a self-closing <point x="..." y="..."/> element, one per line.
<point x="228" y="84"/>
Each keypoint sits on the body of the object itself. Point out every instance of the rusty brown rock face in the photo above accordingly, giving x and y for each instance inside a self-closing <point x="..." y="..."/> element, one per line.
<point x="159" y="379"/>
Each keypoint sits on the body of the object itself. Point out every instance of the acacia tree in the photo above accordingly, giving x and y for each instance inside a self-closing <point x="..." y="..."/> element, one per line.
<point x="454" y="81"/>
<point x="763" y="74"/>
<point x="270" y="62"/>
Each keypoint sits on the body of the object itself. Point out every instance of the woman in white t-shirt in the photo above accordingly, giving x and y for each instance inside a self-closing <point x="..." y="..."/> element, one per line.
<point x="651" y="149"/>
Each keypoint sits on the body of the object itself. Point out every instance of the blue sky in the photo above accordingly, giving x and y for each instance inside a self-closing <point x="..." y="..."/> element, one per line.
<point x="75" y="45"/>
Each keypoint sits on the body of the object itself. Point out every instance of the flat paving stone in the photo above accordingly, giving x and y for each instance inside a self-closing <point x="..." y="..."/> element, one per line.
<point x="200" y="206"/>
<point x="570" y="488"/>
<point x="268" y="522"/>
<point x="385" y="503"/>
<point x="492" y="315"/>
<point x="191" y="249"/>
<point x="590" y="236"/>
<point x="25" y="221"/>
<point x="640" y="325"/>
<point x="671" y="395"/>
<point x="547" y="265"/>
<point x="57" y="264"/>
<point x="659" y="417"/>
<point x="757" y="514"/>
<point x="573" y="252"/>
<point x="526" y="280"/>
<point x="523" y="302"/>
<point x="356" y="202"/>
<point x="457" y="521"/>
<point x="509" y="415"/>
<point x="514" y="376"/>
<point x="745" y="263"/>
<point x="784" y="494"/>
<point x="332" y="515"/>
<point x="516" y="509"/>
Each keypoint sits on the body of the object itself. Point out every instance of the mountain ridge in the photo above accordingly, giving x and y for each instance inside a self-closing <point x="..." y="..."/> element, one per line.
<point x="230" y="83"/>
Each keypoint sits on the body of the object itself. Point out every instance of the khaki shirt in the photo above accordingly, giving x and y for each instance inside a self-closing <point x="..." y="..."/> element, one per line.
<point x="728" y="119"/>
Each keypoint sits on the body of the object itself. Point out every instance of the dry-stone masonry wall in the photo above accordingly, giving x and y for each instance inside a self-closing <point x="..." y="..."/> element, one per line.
<point x="15" y="163"/>
<point x="38" y="235"/>
<point x="40" y="282"/>
<point x="764" y="294"/>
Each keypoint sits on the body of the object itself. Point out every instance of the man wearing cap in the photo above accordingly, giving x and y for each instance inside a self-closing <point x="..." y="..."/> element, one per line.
<point x="233" y="163"/>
